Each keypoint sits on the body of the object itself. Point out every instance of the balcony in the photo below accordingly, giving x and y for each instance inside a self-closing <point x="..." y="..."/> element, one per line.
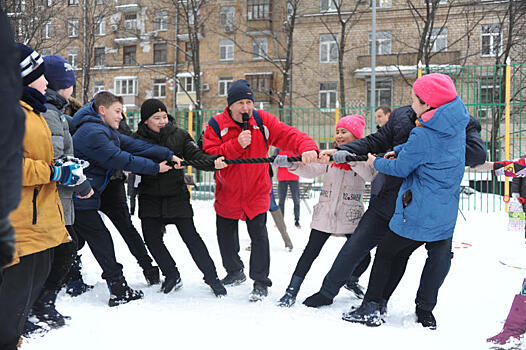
<point x="408" y="59"/>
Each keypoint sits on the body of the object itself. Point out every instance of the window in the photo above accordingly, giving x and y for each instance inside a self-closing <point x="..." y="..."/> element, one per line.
<point x="382" y="3"/>
<point x="161" y="20"/>
<point x="130" y="21"/>
<point x="47" y="3"/>
<point x="491" y="40"/>
<point x="191" y="16"/>
<point x="327" y="5"/>
<point x="100" y="2"/>
<point x="383" y="43"/>
<point x="159" y="88"/>
<point x="438" y="39"/>
<point x="188" y="51"/>
<point x="226" y="15"/>
<point x="261" y="83"/>
<point x="159" y="53"/>
<point x="226" y="50"/>
<point x="126" y="86"/>
<point x="223" y="84"/>
<point x="100" y="56"/>
<point x="258" y="9"/>
<point x="100" y="26"/>
<point x="488" y="97"/>
<point x="98" y="85"/>
<point x="129" y="55"/>
<point x="73" y="56"/>
<point x="328" y="48"/>
<point x="45" y="52"/>
<point x="328" y="94"/>
<point x="186" y="84"/>
<point x="73" y="27"/>
<point x="73" y="2"/>
<point x="383" y="92"/>
<point x="46" y="30"/>
<point x="259" y="47"/>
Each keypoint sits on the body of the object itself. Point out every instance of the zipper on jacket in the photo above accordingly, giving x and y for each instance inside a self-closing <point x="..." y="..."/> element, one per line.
<point x="35" y="194"/>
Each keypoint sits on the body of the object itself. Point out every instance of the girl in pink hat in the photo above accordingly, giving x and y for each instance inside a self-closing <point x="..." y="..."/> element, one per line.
<point x="340" y="206"/>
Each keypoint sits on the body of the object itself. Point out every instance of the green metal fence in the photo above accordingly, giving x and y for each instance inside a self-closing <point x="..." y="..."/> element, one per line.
<point x="482" y="89"/>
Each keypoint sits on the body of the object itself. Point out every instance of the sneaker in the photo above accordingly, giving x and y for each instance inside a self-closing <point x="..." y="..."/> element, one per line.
<point x="287" y="300"/>
<point x="317" y="300"/>
<point x="218" y="288"/>
<point x="297" y="224"/>
<point x="426" y="318"/>
<point x="121" y="293"/>
<point x="152" y="275"/>
<point x="368" y="313"/>
<point x="77" y="287"/>
<point x="355" y="288"/>
<point x="259" y="292"/>
<point x="234" y="278"/>
<point x="171" y="283"/>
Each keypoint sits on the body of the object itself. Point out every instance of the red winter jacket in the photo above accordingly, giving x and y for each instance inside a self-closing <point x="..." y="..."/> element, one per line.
<point x="242" y="190"/>
<point x="283" y="172"/>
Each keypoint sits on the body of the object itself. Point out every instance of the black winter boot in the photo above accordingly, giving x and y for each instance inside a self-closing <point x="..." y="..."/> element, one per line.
<point x="121" y="293"/>
<point x="172" y="282"/>
<point x="292" y="291"/>
<point x="354" y="287"/>
<point x="317" y="300"/>
<point x="426" y="318"/>
<point x="152" y="275"/>
<point x="32" y="329"/>
<point x="218" y="288"/>
<point x="234" y="278"/>
<point x="259" y="292"/>
<point x="44" y="309"/>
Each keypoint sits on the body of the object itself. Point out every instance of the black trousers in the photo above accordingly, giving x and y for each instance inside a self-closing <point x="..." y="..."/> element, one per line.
<point x="295" y="193"/>
<point x="90" y="227"/>
<point x="114" y="206"/>
<point x="316" y="242"/>
<point x="20" y="285"/>
<point x="152" y="230"/>
<point x="63" y="257"/>
<point x="228" y="239"/>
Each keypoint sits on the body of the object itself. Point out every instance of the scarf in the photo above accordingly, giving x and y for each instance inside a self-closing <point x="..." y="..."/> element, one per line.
<point x="34" y="98"/>
<point x="343" y="166"/>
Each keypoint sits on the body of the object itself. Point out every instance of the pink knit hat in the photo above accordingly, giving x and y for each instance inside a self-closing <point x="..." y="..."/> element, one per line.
<point x="354" y="123"/>
<point x="435" y="89"/>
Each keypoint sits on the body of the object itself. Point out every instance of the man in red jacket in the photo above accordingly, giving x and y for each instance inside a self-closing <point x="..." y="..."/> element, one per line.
<point x="242" y="190"/>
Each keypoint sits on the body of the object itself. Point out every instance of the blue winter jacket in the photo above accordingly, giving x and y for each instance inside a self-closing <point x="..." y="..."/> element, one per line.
<point x="432" y="163"/>
<point x="107" y="151"/>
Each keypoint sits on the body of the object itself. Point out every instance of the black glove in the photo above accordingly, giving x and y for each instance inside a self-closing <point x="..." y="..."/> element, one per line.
<point x="7" y="242"/>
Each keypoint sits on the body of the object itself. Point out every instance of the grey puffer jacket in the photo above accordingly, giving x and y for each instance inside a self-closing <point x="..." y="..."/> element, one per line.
<point x="62" y="146"/>
<point x="340" y="207"/>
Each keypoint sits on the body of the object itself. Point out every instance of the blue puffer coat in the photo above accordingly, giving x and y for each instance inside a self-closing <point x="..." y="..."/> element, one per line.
<point x="432" y="163"/>
<point x="107" y="151"/>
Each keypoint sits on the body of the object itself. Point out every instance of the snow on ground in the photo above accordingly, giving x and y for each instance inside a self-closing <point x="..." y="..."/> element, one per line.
<point x="473" y="302"/>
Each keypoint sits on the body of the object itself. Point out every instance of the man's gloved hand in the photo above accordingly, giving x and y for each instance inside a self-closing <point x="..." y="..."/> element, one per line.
<point x="340" y="156"/>
<point x="69" y="174"/>
<point x="281" y="160"/>
<point x="7" y="242"/>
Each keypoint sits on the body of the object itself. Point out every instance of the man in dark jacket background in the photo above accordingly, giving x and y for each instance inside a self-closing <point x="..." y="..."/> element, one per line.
<point x="375" y="221"/>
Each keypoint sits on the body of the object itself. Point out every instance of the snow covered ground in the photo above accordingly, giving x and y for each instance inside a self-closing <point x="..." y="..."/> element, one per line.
<point x="473" y="302"/>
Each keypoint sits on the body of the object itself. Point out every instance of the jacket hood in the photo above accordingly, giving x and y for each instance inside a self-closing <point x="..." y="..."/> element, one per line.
<point x="86" y="114"/>
<point x="450" y="118"/>
<point x="54" y="98"/>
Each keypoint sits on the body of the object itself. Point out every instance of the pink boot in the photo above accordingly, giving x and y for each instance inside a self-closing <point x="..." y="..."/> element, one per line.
<point x="515" y="324"/>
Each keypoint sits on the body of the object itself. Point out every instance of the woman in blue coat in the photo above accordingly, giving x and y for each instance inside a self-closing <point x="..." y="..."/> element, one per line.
<point x="432" y="164"/>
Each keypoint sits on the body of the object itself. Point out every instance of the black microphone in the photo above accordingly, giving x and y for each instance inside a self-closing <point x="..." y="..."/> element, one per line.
<point x="246" y="117"/>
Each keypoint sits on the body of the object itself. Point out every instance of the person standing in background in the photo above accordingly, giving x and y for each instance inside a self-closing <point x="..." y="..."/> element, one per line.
<point x="287" y="180"/>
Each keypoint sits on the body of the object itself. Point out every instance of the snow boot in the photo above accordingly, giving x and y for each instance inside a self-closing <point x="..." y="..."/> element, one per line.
<point x="121" y="293"/>
<point x="368" y="313"/>
<point x="259" y="292"/>
<point x="277" y="215"/>
<point x="354" y="287"/>
<point x="292" y="291"/>
<point x="426" y="318"/>
<point x="32" y="329"/>
<point x="317" y="300"/>
<point x="77" y="287"/>
<point x="152" y="275"/>
<point x="171" y="283"/>
<point x="515" y="324"/>
<point x="234" y="278"/>
<point x="44" y="309"/>
<point x="218" y="288"/>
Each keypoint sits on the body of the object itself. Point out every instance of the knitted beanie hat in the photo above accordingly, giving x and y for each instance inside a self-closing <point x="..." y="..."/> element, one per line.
<point x="150" y="107"/>
<point x="355" y="123"/>
<point x="435" y="89"/>
<point x="239" y="90"/>
<point x="58" y="72"/>
<point x="31" y="64"/>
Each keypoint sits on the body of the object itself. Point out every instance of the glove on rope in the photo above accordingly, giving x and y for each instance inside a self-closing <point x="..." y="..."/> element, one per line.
<point x="282" y="160"/>
<point x="68" y="171"/>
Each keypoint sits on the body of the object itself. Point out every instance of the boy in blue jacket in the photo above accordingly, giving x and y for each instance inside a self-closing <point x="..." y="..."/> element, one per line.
<point x="98" y="141"/>
<point x="432" y="165"/>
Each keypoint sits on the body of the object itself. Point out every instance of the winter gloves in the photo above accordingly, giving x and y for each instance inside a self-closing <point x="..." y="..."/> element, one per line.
<point x="68" y="171"/>
<point x="281" y="160"/>
<point x="7" y="242"/>
<point x="340" y="157"/>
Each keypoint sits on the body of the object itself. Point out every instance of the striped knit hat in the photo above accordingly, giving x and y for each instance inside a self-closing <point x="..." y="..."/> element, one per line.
<point x="31" y="64"/>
